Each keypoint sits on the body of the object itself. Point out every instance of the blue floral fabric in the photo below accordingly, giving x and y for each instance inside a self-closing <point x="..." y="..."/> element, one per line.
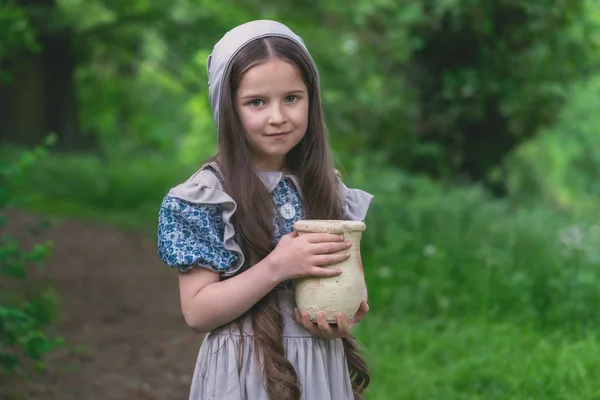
<point x="191" y="235"/>
<point x="285" y="193"/>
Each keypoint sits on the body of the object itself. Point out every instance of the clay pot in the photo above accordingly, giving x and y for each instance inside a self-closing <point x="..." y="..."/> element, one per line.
<point x="337" y="294"/>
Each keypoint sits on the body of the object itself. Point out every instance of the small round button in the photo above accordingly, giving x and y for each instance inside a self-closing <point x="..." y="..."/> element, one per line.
<point x="287" y="211"/>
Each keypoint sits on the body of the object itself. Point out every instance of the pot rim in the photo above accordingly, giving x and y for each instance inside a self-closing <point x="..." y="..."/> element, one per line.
<point x="329" y="226"/>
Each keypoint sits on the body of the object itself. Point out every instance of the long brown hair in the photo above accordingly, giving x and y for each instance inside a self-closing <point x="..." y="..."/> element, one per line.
<point x="312" y="163"/>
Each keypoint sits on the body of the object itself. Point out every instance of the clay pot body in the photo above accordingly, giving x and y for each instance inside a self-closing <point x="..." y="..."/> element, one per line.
<point x="337" y="294"/>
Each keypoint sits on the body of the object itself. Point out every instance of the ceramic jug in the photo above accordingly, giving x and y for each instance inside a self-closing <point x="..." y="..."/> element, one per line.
<point x="337" y="294"/>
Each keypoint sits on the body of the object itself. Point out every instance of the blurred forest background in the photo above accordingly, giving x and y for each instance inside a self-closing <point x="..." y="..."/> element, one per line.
<point x="476" y="124"/>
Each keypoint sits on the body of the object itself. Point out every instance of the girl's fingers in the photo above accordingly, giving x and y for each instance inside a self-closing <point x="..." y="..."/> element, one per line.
<point x="328" y="259"/>
<point x="362" y="311"/>
<point x="326" y="329"/>
<point x="309" y="325"/>
<point x="330" y="247"/>
<point x="343" y="326"/>
<point x="323" y="237"/>
<point x="324" y="272"/>
<point x="298" y="316"/>
<point x="360" y="314"/>
<point x="322" y="328"/>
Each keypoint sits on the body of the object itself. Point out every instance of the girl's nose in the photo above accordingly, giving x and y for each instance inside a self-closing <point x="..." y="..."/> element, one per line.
<point x="277" y="114"/>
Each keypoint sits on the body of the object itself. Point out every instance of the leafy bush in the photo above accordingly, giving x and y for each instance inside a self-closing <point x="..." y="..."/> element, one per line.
<point x="25" y="314"/>
<point x="456" y="252"/>
<point x="471" y="296"/>
<point x="561" y="165"/>
<point x="125" y="189"/>
<point x="474" y="297"/>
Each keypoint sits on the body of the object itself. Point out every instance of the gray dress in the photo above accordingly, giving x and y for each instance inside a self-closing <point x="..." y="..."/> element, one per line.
<point x="194" y="231"/>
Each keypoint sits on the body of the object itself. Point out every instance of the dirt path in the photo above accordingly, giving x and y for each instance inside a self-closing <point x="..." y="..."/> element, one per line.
<point x="120" y="309"/>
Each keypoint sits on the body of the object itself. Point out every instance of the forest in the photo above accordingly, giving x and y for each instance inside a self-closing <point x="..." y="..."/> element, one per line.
<point x="475" y="124"/>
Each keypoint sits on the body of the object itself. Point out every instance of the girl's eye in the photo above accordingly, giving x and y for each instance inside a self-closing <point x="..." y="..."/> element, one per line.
<point x="256" y="103"/>
<point x="291" y="98"/>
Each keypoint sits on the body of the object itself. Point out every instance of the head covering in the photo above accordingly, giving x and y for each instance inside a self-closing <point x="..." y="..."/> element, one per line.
<point x="229" y="45"/>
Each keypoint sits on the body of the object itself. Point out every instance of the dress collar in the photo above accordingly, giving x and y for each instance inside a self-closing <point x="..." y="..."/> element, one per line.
<point x="269" y="178"/>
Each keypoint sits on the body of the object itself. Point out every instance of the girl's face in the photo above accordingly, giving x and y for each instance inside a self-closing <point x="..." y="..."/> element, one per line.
<point x="272" y="102"/>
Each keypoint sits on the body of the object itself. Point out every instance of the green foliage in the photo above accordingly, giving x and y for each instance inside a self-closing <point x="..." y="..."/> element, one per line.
<point x="448" y="87"/>
<point x="26" y="311"/>
<point x="455" y="252"/>
<point x="562" y="165"/>
<point x="413" y="359"/>
<point x="126" y="191"/>
<point x="471" y="297"/>
<point x="474" y="298"/>
<point x="16" y="34"/>
<point x="145" y="89"/>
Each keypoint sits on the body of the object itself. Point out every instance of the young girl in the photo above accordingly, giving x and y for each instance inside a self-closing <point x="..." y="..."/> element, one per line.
<point x="229" y="230"/>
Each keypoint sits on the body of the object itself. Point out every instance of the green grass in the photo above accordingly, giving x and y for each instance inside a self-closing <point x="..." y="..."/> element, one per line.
<point x="471" y="297"/>
<point x="123" y="192"/>
<point x="478" y="298"/>
<point x="460" y="360"/>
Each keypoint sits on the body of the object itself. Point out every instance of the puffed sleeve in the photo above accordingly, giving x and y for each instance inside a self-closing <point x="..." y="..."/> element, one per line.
<point x="356" y="202"/>
<point x="196" y="226"/>
<point x="191" y="235"/>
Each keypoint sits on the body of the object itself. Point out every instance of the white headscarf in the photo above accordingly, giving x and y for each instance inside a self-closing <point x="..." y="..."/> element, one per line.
<point x="229" y="45"/>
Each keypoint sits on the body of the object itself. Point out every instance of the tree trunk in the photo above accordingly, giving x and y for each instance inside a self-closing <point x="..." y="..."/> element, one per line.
<point x="60" y="90"/>
<point x="41" y="97"/>
<point x="22" y="102"/>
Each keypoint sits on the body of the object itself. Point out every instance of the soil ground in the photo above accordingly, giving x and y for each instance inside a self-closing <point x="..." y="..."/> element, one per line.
<point x="120" y="312"/>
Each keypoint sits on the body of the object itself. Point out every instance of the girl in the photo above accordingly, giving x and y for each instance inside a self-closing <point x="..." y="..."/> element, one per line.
<point x="229" y="230"/>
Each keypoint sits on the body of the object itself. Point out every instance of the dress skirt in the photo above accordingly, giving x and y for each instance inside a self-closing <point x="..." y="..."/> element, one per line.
<point x="320" y="363"/>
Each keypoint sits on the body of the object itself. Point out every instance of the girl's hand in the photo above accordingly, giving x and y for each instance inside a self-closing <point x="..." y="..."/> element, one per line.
<point x="299" y="256"/>
<point x="325" y="330"/>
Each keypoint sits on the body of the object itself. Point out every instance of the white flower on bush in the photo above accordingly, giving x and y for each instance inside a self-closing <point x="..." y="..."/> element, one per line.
<point x="572" y="236"/>
<point x="585" y="240"/>
<point x="429" y="250"/>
